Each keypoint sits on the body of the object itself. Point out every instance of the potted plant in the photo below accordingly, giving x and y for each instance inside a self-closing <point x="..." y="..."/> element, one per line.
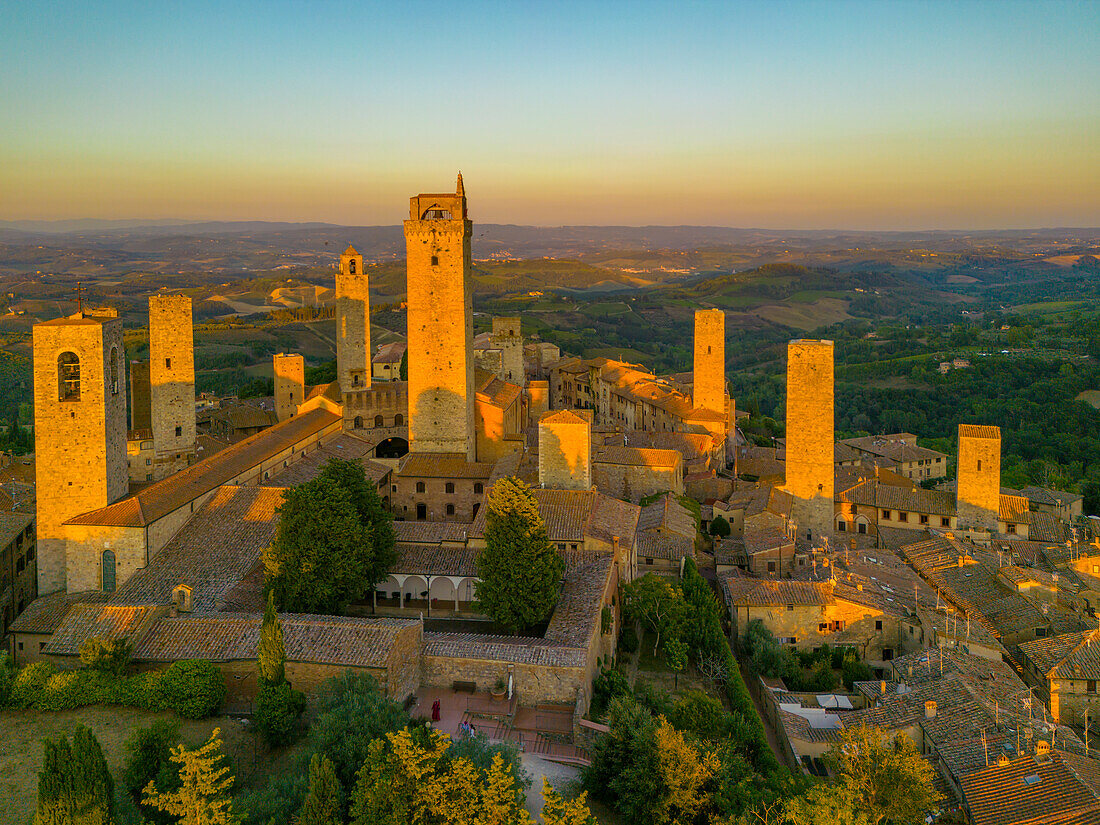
<point x="499" y="690"/>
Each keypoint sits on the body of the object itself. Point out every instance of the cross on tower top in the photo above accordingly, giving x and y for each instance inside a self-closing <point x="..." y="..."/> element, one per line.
<point x="80" y="289"/>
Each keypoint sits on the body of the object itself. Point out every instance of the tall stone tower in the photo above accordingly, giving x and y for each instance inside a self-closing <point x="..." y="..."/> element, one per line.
<point x="565" y="450"/>
<point x="709" y="377"/>
<point x="79" y="428"/>
<point x="171" y="383"/>
<point x="290" y="383"/>
<point x="508" y="338"/>
<point x="141" y="410"/>
<point x="352" y="323"/>
<point x="440" y="324"/>
<point x="978" y="499"/>
<point x="810" y="435"/>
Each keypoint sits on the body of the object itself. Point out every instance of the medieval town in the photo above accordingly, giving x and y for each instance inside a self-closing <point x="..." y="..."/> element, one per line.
<point x="961" y="612"/>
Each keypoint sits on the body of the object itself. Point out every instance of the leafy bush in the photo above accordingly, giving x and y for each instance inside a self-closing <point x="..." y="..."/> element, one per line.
<point x="480" y="752"/>
<point x="855" y="670"/>
<point x="148" y="759"/>
<point x="608" y="685"/>
<point x="628" y="639"/>
<point x="699" y="713"/>
<point x="106" y="655"/>
<point x="7" y="678"/>
<point x="193" y="688"/>
<point x="278" y="709"/>
<point x="719" y="527"/>
<point x="29" y="684"/>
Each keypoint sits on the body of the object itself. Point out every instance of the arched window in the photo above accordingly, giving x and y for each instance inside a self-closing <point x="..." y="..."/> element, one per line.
<point x="108" y="571"/>
<point x="68" y="377"/>
<point x="450" y="509"/>
<point x="114" y="370"/>
<point x="358" y="422"/>
<point x="479" y="488"/>
<point x="378" y="422"/>
<point x="450" y="487"/>
<point x="420" y="486"/>
<point x="398" y="420"/>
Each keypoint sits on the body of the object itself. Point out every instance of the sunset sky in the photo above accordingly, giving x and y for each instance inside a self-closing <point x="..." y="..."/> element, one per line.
<point x="869" y="115"/>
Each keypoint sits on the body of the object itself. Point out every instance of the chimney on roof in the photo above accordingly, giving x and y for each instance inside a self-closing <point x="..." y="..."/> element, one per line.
<point x="1003" y="759"/>
<point x="930" y="709"/>
<point x="1042" y="748"/>
<point x="882" y="687"/>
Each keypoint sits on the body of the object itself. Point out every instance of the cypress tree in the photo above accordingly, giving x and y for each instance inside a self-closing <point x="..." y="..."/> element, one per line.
<point x="322" y="803"/>
<point x="272" y="650"/>
<point x="75" y="785"/>
<point x="55" y="784"/>
<point x="519" y="570"/>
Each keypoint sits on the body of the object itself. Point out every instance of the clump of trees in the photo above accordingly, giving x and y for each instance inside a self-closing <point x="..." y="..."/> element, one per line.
<point x="520" y="570"/>
<point x="74" y="785"/>
<point x="335" y="541"/>
<point x="803" y="671"/>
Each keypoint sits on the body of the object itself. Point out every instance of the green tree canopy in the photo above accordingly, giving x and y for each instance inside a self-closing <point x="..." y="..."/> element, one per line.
<point x="203" y="796"/>
<point x="719" y="527"/>
<point x="519" y="570"/>
<point x="272" y="651"/>
<point x="322" y="805"/>
<point x="334" y="543"/>
<point x="74" y="786"/>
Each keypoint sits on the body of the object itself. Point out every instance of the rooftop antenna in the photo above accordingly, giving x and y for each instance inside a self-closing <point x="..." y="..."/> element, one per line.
<point x="985" y="747"/>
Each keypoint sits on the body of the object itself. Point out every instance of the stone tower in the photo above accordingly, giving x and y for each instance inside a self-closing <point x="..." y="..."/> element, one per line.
<point x="79" y="429"/>
<point x="978" y="499"/>
<point x="508" y="338"/>
<point x="141" y="411"/>
<point x="440" y="324"/>
<point x="565" y="450"/>
<point x="809" y="472"/>
<point x="171" y="383"/>
<point x="709" y="377"/>
<point x="352" y="323"/>
<point x="290" y="384"/>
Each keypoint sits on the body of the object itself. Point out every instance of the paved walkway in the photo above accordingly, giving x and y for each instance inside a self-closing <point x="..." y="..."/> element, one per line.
<point x="558" y="774"/>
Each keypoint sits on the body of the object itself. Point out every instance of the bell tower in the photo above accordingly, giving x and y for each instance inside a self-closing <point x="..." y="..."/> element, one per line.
<point x="440" y="324"/>
<point x="352" y="323"/>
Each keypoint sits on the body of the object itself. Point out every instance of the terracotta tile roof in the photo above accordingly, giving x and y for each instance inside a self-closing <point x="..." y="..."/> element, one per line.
<point x="1014" y="509"/>
<point x="979" y="431"/>
<point x="165" y="496"/>
<point x="430" y="532"/>
<point x="571" y="515"/>
<point x="768" y="593"/>
<point x="390" y="353"/>
<point x="220" y="637"/>
<point x="97" y="621"/>
<point x="669" y="515"/>
<point x="638" y="457"/>
<point x="1066" y="656"/>
<point x="46" y="613"/>
<point x="442" y="465"/>
<point x="668" y="546"/>
<point x="896" y="447"/>
<point x="435" y="560"/>
<point x="212" y="552"/>
<point x="348" y="446"/>
<point x="1032" y="790"/>
<point x="498" y="392"/>
<point x="562" y="417"/>
<point x="12" y="523"/>
<point x="244" y="416"/>
<point x="765" y="539"/>
<point x="690" y="445"/>
<point x="1046" y="527"/>
<point x="917" y="500"/>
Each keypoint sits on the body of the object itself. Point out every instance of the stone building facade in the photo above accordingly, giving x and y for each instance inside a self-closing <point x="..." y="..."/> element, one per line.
<point x="809" y="470"/>
<point x="565" y="451"/>
<point x="353" y="352"/>
<point x="80" y="436"/>
<point x="440" y="324"/>
<point x="979" y="476"/>
<point x="438" y="487"/>
<point x="709" y="376"/>
<point x="290" y="383"/>
<point x="171" y="383"/>
<point x="507" y="336"/>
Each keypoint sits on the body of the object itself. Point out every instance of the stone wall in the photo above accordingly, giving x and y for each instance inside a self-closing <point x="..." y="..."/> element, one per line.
<point x="465" y="496"/>
<point x="532" y="683"/>
<point x="141" y="410"/>
<point x="171" y="383"/>
<point x="80" y="442"/>
<point x="290" y="383"/>
<point x="565" y="451"/>
<point x="631" y="482"/>
<point x="809" y="466"/>
<point x="507" y="337"/>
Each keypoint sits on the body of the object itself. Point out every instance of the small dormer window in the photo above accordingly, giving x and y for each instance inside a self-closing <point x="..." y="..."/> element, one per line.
<point x="181" y="598"/>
